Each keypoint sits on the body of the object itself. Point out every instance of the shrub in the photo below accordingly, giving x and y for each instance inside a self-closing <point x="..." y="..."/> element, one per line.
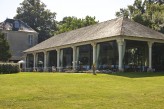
<point x="9" y="68"/>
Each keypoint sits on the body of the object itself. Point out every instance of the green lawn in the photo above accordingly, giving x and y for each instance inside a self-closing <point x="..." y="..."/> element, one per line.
<point x="82" y="91"/>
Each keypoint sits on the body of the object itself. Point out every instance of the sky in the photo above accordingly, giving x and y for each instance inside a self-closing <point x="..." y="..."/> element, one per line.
<point x="102" y="9"/>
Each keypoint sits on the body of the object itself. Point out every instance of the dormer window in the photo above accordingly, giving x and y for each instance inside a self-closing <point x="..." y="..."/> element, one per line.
<point x="30" y="39"/>
<point x="16" y="24"/>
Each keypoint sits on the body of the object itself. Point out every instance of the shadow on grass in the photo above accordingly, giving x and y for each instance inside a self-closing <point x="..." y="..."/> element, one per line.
<point x="9" y="73"/>
<point x="138" y="74"/>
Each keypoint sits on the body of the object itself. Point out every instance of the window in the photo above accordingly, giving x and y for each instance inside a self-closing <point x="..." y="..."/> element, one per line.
<point x="16" y="24"/>
<point x="30" y="39"/>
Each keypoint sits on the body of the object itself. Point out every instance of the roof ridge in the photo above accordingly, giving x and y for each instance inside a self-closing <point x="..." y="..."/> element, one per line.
<point x="122" y="23"/>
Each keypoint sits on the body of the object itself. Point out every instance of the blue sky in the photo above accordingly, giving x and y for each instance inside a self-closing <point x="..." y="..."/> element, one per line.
<point x="102" y="9"/>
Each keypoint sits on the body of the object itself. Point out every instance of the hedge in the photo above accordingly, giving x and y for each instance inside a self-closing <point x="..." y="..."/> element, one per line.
<point x="9" y="68"/>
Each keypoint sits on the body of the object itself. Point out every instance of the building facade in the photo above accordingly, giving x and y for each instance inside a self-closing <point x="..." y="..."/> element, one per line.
<point x="118" y="45"/>
<point x="19" y="36"/>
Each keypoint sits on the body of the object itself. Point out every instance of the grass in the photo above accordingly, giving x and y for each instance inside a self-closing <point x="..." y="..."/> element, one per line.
<point x="82" y="91"/>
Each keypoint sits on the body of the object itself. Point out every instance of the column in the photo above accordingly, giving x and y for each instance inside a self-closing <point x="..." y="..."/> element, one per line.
<point x="74" y="57"/>
<point x="97" y="55"/>
<point x="120" y="43"/>
<point x="61" y="59"/>
<point x="94" y="53"/>
<point x="25" y="62"/>
<point x="94" y="58"/>
<point x="77" y="57"/>
<point x="150" y="55"/>
<point x="47" y="63"/>
<point x="45" y="60"/>
<point x="34" y="62"/>
<point x="58" y="58"/>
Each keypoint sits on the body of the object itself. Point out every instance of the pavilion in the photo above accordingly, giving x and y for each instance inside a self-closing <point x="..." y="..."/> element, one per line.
<point x="118" y="44"/>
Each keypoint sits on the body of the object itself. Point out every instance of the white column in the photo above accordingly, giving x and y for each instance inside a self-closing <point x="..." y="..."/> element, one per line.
<point x="61" y="58"/>
<point x="45" y="61"/>
<point x="25" y="62"/>
<point x="77" y="56"/>
<point x="120" y="43"/>
<point x="34" y="62"/>
<point x="97" y="55"/>
<point x="94" y="58"/>
<point x="74" y="57"/>
<point x="58" y="58"/>
<point x="94" y="53"/>
<point x="150" y="55"/>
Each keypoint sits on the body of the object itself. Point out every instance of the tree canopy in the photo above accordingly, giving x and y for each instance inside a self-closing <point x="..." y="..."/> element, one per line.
<point x="4" y="49"/>
<point x="35" y="14"/>
<point x="72" y="23"/>
<point x="148" y="12"/>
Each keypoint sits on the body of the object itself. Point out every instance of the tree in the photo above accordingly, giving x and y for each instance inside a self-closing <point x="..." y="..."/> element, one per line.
<point x="4" y="49"/>
<point x="72" y="23"/>
<point x="42" y="20"/>
<point x="149" y="13"/>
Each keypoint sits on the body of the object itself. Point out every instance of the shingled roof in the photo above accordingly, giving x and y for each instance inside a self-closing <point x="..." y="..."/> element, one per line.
<point x="9" y="24"/>
<point x="112" y="28"/>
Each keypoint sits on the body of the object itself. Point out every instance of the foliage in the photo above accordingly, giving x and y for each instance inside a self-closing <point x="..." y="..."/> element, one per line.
<point x="149" y="13"/>
<point x="72" y="23"/>
<point x="4" y="49"/>
<point x="82" y="91"/>
<point x="35" y="14"/>
<point x="8" y="68"/>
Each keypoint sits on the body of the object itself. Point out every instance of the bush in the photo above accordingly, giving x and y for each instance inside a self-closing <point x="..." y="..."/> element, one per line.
<point x="9" y="68"/>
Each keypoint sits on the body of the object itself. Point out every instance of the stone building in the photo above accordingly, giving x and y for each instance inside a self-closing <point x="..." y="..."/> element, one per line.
<point x="19" y="36"/>
<point x="118" y="44"/>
